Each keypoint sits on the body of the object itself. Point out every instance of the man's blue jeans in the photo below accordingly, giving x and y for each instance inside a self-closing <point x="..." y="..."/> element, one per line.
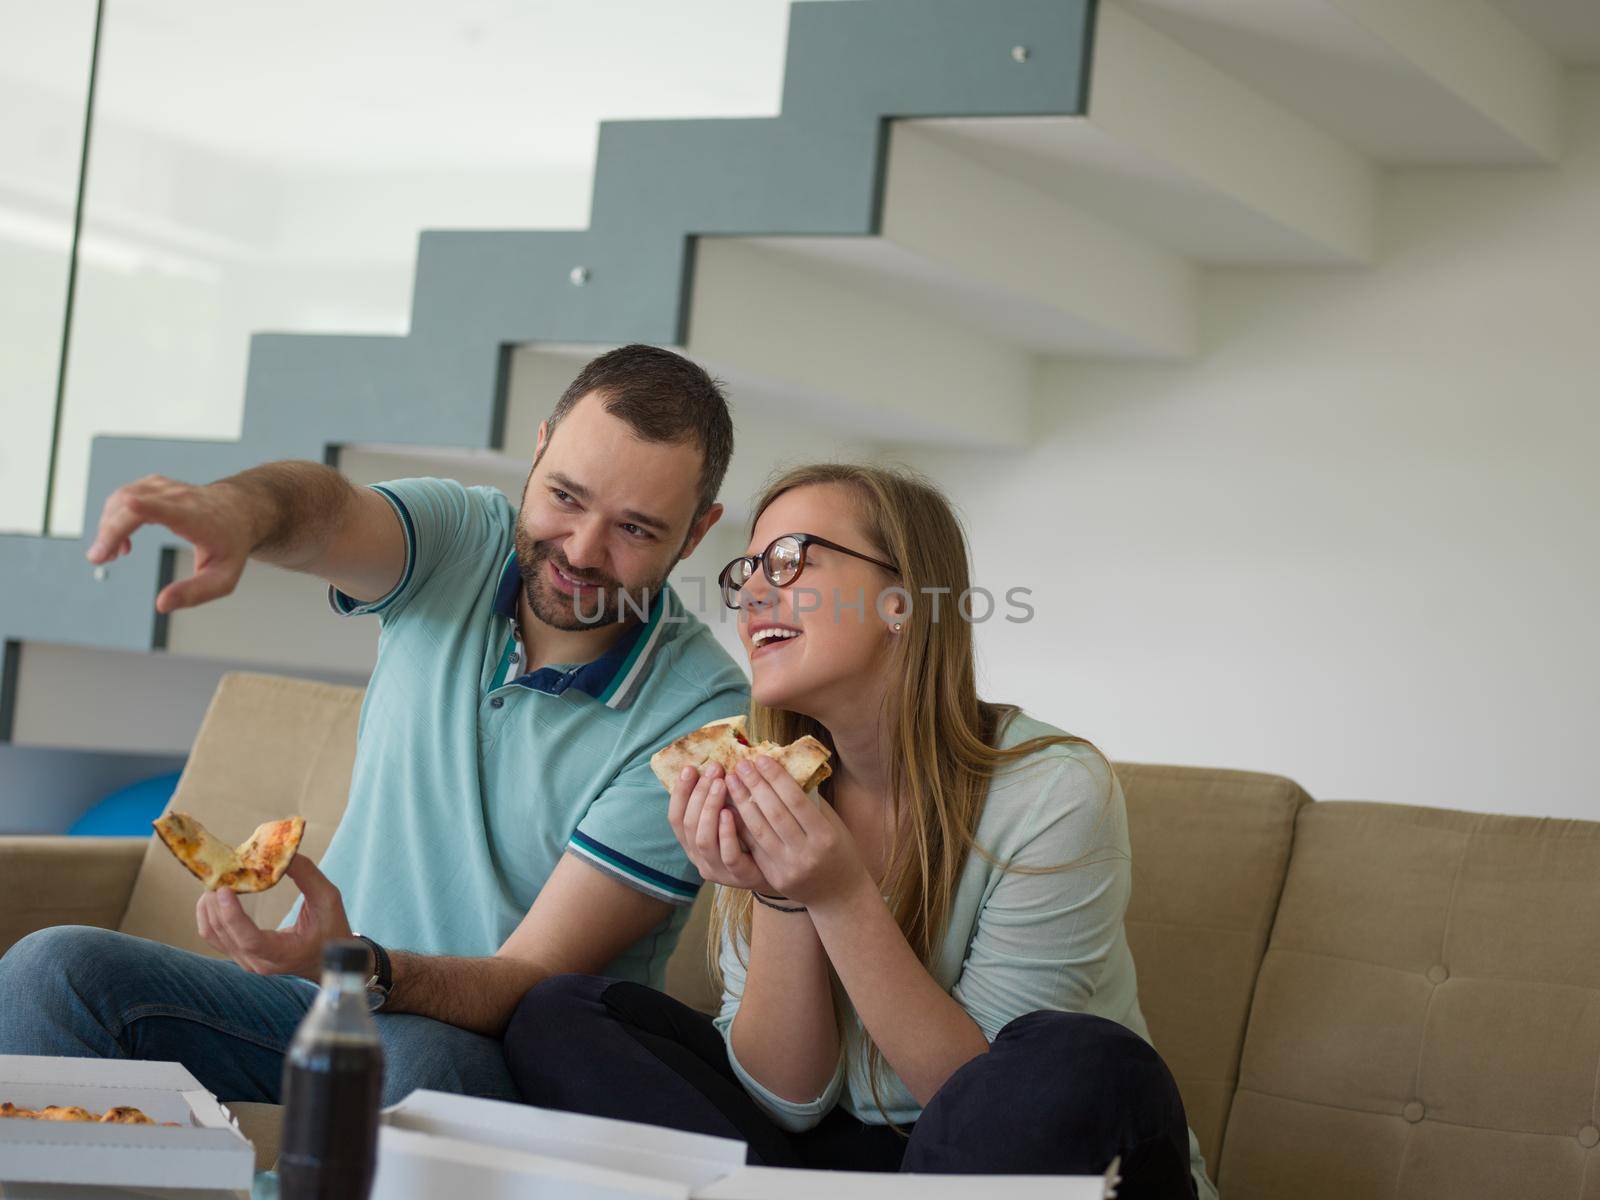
<point x="73" y="990"/>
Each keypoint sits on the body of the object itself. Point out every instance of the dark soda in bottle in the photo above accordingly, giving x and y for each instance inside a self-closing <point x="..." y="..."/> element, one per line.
<point x="332" y="1087"/>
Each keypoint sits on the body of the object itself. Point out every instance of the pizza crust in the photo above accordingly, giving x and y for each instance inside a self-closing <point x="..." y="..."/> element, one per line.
<point x="725" y="743"/>
<point x="254" y="866"/>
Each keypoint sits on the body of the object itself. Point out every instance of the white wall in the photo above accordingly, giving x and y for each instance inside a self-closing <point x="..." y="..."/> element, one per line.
<point x="1355" y="543"/>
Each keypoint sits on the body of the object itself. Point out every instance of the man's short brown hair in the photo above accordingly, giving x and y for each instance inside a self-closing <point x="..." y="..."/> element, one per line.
<point x="663" y="397"/>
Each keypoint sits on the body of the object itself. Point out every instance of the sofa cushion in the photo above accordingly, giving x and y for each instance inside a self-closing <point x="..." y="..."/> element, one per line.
<point x="269" y="747"/>
<point x="1427" y="1019"/>
<point x="1210" y="848"/>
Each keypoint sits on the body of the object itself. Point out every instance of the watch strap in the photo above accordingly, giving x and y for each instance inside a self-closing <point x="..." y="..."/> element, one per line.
<point x="382" y="971"/>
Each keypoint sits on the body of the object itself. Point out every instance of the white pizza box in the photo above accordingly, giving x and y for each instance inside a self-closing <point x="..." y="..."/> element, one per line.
<point x="95" y="1191"/>
<point x="206" y="1150"/>
<point x="782" y="1183"/>
<point x="420" y="1166"/>
<point x="433" y="1143"/>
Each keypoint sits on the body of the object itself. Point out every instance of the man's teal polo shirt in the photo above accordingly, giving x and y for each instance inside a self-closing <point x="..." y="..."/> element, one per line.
<point x="473" y="779"/>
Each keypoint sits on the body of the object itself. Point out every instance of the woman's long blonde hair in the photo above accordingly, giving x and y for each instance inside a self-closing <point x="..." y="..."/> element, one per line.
<point x="943" y="739"/>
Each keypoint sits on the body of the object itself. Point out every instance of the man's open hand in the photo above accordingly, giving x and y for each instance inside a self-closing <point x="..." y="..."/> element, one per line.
<point x="213" y="519"/>
<point x="293" y="951"/>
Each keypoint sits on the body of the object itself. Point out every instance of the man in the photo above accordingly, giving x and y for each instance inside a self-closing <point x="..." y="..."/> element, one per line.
<point x="503" y="825"/>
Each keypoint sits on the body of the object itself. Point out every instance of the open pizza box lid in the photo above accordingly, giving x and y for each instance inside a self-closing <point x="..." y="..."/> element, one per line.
<point x="780" y="1183"/>
<point x="434" y="1144"/>
<point x="205" y="1150"/>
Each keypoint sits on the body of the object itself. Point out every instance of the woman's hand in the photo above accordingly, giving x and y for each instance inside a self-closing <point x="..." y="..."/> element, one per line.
<point x="801" y="846"/>
<point x="703" y="822"/>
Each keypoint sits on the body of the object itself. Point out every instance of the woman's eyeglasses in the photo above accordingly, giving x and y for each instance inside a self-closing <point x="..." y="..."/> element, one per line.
<point x="781" y="562"/>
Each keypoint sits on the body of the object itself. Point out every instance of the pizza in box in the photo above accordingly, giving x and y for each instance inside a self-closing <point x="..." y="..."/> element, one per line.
<point x="122" y="1114"/>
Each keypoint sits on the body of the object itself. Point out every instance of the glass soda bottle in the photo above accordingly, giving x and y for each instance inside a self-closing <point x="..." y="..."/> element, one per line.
<point x="332" y="1087"/>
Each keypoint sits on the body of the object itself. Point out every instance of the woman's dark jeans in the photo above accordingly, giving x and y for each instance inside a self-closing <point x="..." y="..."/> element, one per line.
<point x="1058" y="1093"/>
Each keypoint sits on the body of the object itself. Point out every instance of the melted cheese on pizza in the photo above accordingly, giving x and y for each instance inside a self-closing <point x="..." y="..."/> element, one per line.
<point x="253" y="867"/>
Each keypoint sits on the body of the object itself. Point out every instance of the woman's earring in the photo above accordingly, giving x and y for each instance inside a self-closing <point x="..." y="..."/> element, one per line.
<point x="897" y="626"/>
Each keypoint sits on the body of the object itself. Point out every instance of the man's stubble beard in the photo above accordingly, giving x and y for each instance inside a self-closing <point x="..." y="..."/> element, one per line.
<point x="572" y="614"/>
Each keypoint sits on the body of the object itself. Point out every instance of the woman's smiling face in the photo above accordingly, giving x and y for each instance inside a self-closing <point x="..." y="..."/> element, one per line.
<point x="813" y="644"/>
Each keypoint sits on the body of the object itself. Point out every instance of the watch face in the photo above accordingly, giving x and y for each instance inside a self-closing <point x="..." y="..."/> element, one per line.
<point x="375" y="998"/>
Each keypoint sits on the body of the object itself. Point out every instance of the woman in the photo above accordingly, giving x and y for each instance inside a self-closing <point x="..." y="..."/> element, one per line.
<point x="923" y="965"/>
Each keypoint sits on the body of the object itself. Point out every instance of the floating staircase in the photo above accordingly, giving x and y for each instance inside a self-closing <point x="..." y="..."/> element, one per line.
<point x="952" y="191"/>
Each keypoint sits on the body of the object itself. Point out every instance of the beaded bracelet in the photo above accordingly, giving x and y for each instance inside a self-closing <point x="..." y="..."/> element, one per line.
<point x="762" y="898"/>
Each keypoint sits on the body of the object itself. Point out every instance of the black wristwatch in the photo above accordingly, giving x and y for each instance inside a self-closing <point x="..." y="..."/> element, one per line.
<point x="382" y="974"/>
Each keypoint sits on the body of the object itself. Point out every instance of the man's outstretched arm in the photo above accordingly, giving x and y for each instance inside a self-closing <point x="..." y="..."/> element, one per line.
<point x="299" y="515"/>
<point x="581" y="921"/>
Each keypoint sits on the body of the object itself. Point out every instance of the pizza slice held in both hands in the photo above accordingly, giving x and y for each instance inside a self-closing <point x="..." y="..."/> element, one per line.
<point x="252" y="867"/>
<point x="724" y="742"/>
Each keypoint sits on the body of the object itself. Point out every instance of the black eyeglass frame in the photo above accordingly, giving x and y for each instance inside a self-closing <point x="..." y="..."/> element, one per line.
<point x="805" y="540"/>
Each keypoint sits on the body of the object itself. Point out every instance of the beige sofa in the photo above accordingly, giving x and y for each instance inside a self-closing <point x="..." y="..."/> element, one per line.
<point x="1358" y="1000"/>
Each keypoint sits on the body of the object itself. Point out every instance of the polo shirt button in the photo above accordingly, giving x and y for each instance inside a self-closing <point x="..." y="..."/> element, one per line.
<point x="1438" y="973"/>
<point x="498" y="702"/>
<point x="1412" y="1112"/>
<point x="1588" y="1136"/>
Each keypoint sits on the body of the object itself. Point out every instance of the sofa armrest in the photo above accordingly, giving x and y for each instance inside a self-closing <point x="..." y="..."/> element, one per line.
<point x="48" y="881"/>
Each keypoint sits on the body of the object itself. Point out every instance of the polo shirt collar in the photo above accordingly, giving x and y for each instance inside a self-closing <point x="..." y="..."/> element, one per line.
<point x="615" y="677"/>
